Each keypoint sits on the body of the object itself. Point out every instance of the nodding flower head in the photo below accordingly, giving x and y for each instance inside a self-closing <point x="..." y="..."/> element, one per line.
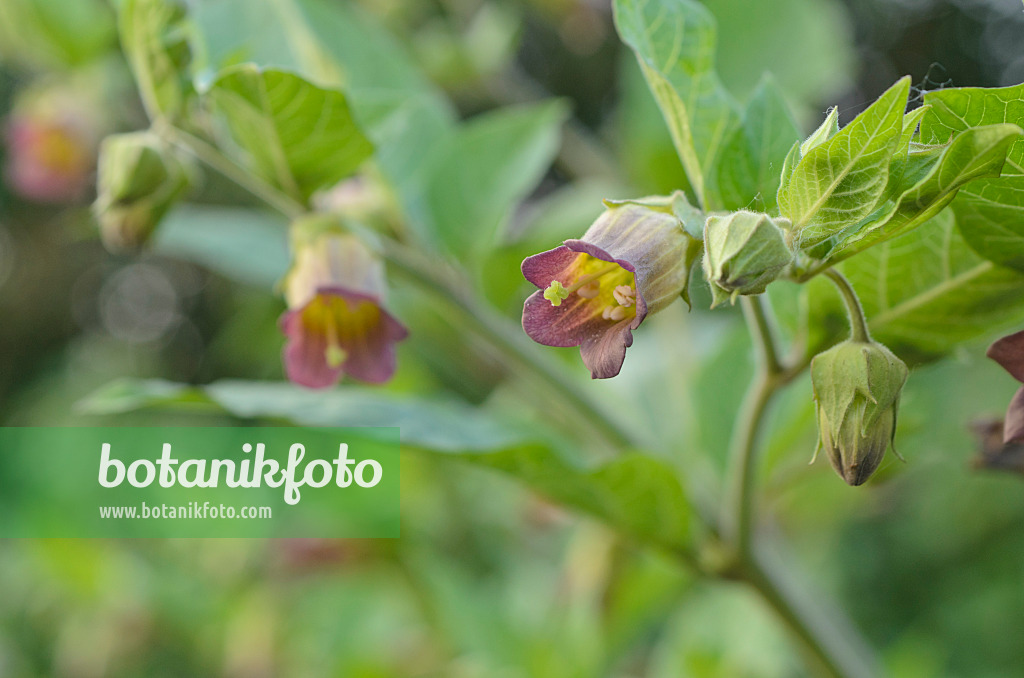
<point x="336" y="323"/>
<point x="857" y="388"/>
<point x="593" y="292"/>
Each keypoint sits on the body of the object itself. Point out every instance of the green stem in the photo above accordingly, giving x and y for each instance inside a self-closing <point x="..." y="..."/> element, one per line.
<point x="858" y="324"/>
<point x="210" y="155"/>
<point x="738" y="521"/>
<point x="830" y="642"/>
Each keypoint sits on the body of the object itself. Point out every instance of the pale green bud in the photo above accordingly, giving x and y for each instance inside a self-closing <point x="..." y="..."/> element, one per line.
<point x="743" y="252"/>
<point x="857" y="389"/>
<point x="139" y="179"/>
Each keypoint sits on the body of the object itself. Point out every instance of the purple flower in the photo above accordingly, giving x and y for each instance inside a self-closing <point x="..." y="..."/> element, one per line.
<point x="634" y="260"/>
<point x="1009" y="353"/>
<point x="336" y="323"/>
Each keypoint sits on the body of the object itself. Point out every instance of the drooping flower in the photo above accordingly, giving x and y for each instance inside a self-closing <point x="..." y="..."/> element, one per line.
<point x="593" y="292"/>
<point x="857" y="386"/>
<point x="336" y="323"/>
<point x="1009" y="353"/>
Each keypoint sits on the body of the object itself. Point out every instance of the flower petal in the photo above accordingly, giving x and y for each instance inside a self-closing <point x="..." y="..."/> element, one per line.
<point x="305" y="354"/>
<point x="1013" y="426"/>
<point x="363" y="330"/>
<point x="1009" y="353"/>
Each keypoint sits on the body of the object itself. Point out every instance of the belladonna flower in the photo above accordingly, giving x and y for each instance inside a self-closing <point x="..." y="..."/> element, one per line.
<point x="634" y="260"/>
<point x="336" y="323"/>
<point x="1009" y="353"/>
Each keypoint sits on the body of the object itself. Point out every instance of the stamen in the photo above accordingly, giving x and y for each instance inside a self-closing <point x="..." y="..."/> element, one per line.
<point x="617" y="313"/>
<point x="590" y="290"/>
<point x="625" y="295"/>
<point x="587" y="279"/>
<point x="555" y="293"/>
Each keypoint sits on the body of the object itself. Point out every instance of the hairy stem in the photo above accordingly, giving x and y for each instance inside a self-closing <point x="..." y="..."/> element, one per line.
<point x="738" y="521"/>
<point x="858" y="324"/>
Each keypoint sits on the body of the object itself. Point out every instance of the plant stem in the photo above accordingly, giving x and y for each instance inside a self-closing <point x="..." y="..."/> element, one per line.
<point x="858" y="324"/>
<point x="757" y="313"/>
<point x="833" y="644"/>
<point x="739" y="506"/>
<point x="826" y="635"/>
<point x="210" y="155"/>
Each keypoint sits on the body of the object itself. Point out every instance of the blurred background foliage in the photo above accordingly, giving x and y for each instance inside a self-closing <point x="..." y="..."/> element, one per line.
<point x="488" y="579"/>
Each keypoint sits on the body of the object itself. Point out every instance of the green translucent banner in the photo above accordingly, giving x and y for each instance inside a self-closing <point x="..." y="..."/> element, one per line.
<point x="199" y="482"/>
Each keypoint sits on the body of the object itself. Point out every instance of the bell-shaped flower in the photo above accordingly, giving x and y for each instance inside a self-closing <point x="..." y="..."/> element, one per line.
<point x="634" y="260"/>
<point x="336" y="323"/>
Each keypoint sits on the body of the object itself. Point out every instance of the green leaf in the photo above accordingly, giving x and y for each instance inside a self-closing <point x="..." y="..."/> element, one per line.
<point x="935" y="175"/>
<point x="639" y="495"/>
<point x="748" y="169"/>
<point x="926" y="292"/>
<point x="214" y="236"/>
<point x="898" y="164"/>
<point x="674" y="41"/>
<point x="990" y="212"/>
<point x="492" y="163"/>
<point x="56" y="34"/>
<point x="841" y="180"/>
<point x="338" y="44"/>
<point x="293" y="134"/>
<point x="157" y="52"/>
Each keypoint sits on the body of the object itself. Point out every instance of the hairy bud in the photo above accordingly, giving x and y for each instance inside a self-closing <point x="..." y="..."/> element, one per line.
<point x="857" y="389"/>
<point x="744" y="251"/>
<point x="139" y="179"/>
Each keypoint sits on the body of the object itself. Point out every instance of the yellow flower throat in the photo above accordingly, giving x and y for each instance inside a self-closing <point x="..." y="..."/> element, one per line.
<point x="606" y="288"/>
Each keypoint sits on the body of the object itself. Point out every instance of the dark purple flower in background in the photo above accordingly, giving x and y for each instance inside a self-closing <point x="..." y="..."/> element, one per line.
<point x="593" y="292"/>
<point x="336" y="323"/>
<point x="1009" y="353"/>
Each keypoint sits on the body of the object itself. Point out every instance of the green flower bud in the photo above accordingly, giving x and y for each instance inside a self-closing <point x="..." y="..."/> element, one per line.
<point x="857" y="389"/>
<point x="744" y="251"/>
<point x="139" y="179"/>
